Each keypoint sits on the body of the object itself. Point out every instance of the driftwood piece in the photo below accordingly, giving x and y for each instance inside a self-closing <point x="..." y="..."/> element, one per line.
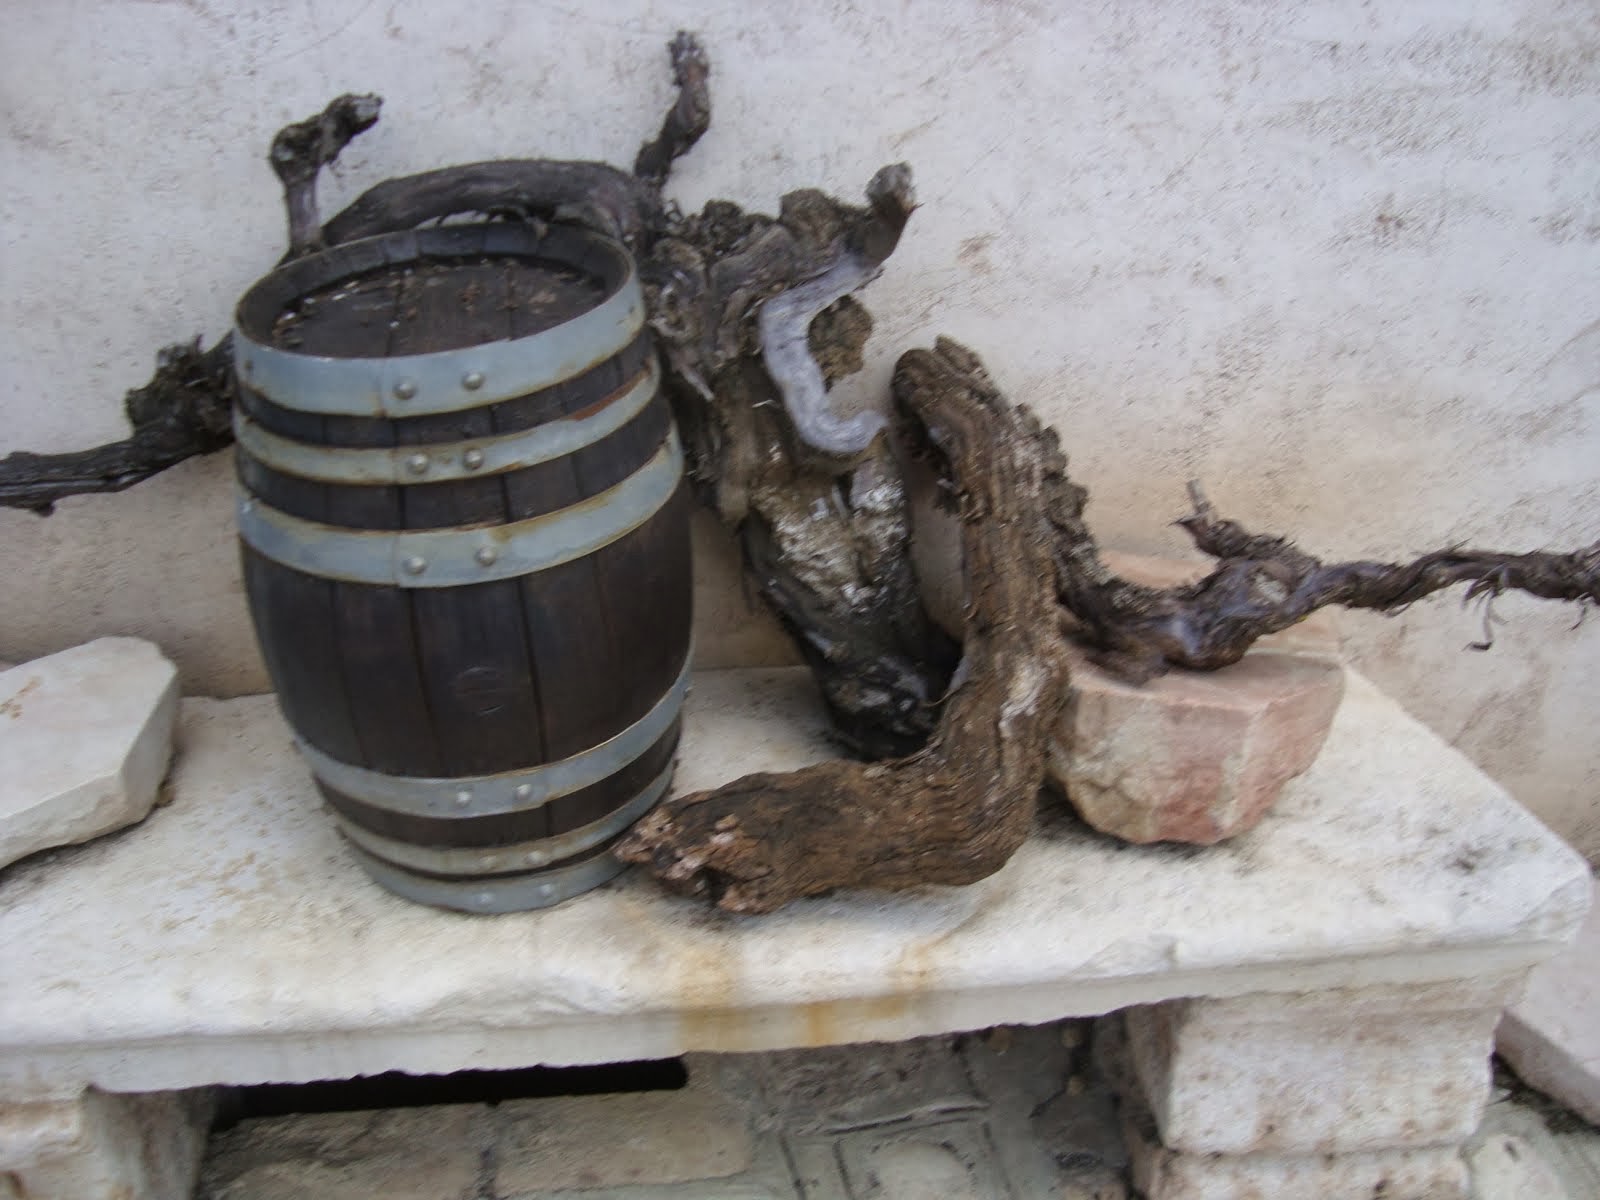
<point x="1263" y="583"/>
<point x="300" y="151"/>
<point x="593" y="194"/>
<point x="688" y="118"/>
<point x="184" y="410"/>
<point x="956" y="810"/>
<point x="754" y="320"/>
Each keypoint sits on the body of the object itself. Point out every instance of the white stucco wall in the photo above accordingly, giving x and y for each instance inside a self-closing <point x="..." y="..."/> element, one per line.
<point x="1338" y="260"/>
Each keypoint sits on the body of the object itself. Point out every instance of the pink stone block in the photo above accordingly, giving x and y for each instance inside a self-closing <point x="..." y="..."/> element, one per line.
<point x="1196" y="756"/>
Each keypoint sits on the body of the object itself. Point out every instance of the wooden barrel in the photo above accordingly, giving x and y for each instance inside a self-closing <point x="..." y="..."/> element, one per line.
<point x="465" y="541"/>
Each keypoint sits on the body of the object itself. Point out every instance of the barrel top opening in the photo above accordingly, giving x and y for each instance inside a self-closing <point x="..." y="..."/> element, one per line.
<point x="436" y="320"/>
<point x="437" y="304"/>
<point x="371" y="298"/>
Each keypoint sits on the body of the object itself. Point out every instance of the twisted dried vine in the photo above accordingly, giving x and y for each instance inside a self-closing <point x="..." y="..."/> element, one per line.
<point x="957" y="809"/>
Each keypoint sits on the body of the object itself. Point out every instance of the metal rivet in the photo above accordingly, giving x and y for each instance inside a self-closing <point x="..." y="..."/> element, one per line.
<point x="405" y="389"/>
<point x="486" y="556"/>
<point x="547" y="889"/>
<point x="472" y="459"/>
<point x="415" y="565"/>
<point x="417" y="464"/>
<point x="490" y="861"/>
<point x="536" y="858"/>
<point x="485" y="898"/>
<point x="463" y="797"/>
<point x="472" y="380"/>
<point x="524" y="790"/>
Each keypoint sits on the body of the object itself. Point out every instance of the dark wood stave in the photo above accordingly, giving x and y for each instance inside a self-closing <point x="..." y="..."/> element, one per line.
<point x="488" y="677"/>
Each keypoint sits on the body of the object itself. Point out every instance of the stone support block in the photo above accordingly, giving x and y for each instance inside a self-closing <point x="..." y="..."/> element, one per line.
<point x="1196" y="756"/>
<point x="1551" y="1035"/>
<point x="104" y="1146"/>
<point x="1337" y="1072"/>
<point x="1162" y="1174"/>
<point x="85" y="737"/>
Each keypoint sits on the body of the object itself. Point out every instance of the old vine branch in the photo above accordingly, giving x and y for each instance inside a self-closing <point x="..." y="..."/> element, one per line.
<point x="1264" y="583"/>
<point x="300" y="151"/>
<point x="183" y="411"/>
<point x="687" y="119"/>
<point x="958" y="809"/>
<point x="593" y="194"/>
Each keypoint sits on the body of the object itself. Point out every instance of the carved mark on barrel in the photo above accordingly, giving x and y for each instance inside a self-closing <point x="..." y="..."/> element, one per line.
<point x="483" y="690"/>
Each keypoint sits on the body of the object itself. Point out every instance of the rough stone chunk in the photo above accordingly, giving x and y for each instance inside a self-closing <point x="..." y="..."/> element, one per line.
<point x="1552" y="1035"/>
<point x="1435" y="1173"/>
<point x="1196" y="756"/>
<point x="105" y="1147"/>
<point x="1341" y="1071"/>
<point x="398" y="1154"/>
<point x="628" y="1140"/>
<point x="85" y="736"/>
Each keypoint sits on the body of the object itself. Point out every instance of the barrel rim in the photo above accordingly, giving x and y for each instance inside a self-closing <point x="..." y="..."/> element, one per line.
<point x="445" y="381"/>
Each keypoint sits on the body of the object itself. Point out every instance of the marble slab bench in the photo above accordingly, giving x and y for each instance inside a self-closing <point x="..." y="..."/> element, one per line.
<point x="1306" y="1011"/>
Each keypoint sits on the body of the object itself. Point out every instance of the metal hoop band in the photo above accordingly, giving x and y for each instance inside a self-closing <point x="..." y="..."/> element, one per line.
<point x="436" y="558"/>
<point x="521" y="856"/>
<point x="514" y="791"/>
<point x="516" y="893"/>
<point x="442" y="462"/>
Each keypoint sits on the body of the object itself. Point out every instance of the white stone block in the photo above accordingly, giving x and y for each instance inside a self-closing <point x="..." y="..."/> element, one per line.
<point x="85" y="737"/>
<point x="1551" y="1036"/>
<point x="233" y="940"/>
<point x="106" y="1147"/>
<point x="1331" y="1073"/>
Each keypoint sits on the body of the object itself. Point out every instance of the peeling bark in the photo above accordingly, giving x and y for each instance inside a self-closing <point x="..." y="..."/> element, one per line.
<point x="956" y="810"/>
